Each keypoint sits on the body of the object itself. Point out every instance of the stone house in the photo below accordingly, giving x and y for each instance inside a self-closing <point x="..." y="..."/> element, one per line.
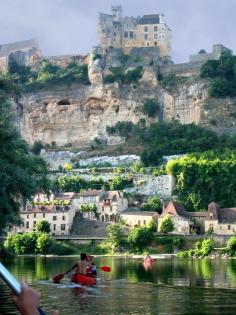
<point x="59" y="217"/>
<point x="109" y="204"/>
<point x="216" y="220"/>
<point x="135" y="218"/>
<point x="181" y="218"/>
<point x="220" y="220"/>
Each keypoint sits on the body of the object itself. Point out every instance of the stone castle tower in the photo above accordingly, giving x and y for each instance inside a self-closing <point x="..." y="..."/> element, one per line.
<point x="132" y="32"/>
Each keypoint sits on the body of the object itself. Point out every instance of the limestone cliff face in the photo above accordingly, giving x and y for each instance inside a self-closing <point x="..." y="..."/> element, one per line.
<point x="77" y="114"/>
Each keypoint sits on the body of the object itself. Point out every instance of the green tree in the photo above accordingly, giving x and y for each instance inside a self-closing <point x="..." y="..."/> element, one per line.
<point x="114" y="235"/>
<point x="44" y="243"/>
<point x="140" y="236"/>
<point x="231" y="245"/>
<point x="43" y="226"/>
<point x="22" y="174"/>
<point x="153" y="204"/>
<point x="150" y="107"/>
<point x="167" y="225"/>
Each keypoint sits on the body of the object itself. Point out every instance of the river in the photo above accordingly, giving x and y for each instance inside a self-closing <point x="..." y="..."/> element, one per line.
<point x="168" y="287"/>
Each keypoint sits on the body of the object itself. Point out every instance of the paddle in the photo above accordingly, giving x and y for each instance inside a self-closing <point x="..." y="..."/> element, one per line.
<point x="105" y="268"/>
<point x="57" y="278"/>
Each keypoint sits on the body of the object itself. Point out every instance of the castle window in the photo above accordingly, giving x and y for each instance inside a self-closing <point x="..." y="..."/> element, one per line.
<point x="54" y="227"/>
<point x="145" y="29"/>
<point x="145" y="36"/>
<point x="27" y="224"/>
<point x="63" y="227"/>
<point x="155" y="36"/>
<point x="229" y="227"/>
<point x="126" y="34"/>
<point x="131" y="34"/>
<point x="155" y="28"/>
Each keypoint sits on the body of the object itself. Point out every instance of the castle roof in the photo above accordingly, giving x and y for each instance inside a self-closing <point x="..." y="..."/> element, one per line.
<point x="6" y="49"/>
<point x="149" y="19"/>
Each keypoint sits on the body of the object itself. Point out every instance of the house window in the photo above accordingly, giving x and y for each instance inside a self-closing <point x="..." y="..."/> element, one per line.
<point x="211" y="227"/>
<point x="144" y="222"/>
<point x="229" y="227"/>
<point x="34" y="215"/>
<point x="102" y="209"/>
<point x="63" y="218"/>
<point x="131" y="34"/>
<point x="145" y="36"/>
<point x="126" y="34"/>
<point x="63" y="227"/>
<point x="155" y="43"/>
<point x="155" y="28"/>
<point x="54" y="227"/>
<point x="54" y="218"/>
<point x="155" y="36"/>
<point x="139" y="222"/>
<point x="27" y="216"/>
<point x="110" y="208"/>
<point x="93" y="199"/>
<point x="43" y="215"/>
<point x="34" y="223"/>
<point x="211" y="216"/>
<point x="27" y="224"/>
<point x="145" y="29"/>
<point x="147" y="43"/>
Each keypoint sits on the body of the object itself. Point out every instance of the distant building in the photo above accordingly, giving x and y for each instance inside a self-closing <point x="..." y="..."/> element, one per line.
<point x="215" y="220"/>
<point x="59" y="217"/>
<point x="136" y="218"/>
<point x="23" y="53"/>
<point x="109" y="204"/>
<point x="132" y="32"/>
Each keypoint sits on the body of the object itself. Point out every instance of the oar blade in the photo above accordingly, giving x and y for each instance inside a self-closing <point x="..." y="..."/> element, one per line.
<point x="105" y="268"/>
<point x="58" y="278"/>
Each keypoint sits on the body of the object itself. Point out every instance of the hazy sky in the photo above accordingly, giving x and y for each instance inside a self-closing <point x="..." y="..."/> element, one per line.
<point x="70" y="26"/>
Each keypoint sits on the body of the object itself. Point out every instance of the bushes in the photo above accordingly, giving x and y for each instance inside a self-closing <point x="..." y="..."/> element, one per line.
<point x="119" y="74"/>
<point x="151" y="107"/>
<point x="140" y="236"/>
<point x="201" y="249"/>
<point x="231" y="246"/>
<point x="167" y="225"/>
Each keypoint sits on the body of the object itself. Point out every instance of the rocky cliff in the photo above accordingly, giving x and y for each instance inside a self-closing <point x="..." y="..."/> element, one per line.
<point x="77" y="114"/>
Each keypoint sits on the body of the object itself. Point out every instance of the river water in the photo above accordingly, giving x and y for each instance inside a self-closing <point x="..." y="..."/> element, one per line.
<point x="168" y="287"/>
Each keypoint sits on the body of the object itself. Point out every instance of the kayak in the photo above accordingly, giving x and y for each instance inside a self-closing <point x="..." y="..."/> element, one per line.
<point x="148" y="261"/>
<point x="83" y="279"/>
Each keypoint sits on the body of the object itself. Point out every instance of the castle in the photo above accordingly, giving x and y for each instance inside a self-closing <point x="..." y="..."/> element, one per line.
<point x="133" y="32"/>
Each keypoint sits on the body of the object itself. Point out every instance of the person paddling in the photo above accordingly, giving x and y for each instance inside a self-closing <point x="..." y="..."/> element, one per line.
<point x="81" y="265"/>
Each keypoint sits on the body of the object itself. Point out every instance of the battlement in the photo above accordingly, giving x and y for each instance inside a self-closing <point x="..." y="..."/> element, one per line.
<point x="134" y="32"/>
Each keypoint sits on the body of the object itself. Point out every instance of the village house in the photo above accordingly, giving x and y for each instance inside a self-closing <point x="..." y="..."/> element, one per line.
<point x="54" y="208"/>
<point x="60" y="218"/>
<point x="109" y="204"/>
<point x="215" y="220"/>
<point x="136" y="218"/>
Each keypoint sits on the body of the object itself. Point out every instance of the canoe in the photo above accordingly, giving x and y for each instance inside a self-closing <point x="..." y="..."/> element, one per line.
<point x="148" y="261"/>
<point x="83" y="279"/>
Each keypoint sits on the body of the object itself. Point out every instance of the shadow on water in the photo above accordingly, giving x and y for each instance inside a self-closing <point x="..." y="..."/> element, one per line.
<point x="166" y="287"/>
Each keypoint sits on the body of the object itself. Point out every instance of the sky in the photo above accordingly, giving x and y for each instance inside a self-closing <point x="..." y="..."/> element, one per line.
<point x="70" y="26"/>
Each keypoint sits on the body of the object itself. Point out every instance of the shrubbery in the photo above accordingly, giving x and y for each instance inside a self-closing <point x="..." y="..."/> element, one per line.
<point x="201" y="249"/>
<point x="223" y="75"/>
<point x="119" y="74"/>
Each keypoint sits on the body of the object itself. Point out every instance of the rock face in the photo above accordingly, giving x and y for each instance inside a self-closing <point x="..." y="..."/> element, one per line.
<point x="76" y="115"/>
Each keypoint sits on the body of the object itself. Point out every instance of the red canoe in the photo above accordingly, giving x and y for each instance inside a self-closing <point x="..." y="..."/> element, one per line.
<point x="83" y="279"/>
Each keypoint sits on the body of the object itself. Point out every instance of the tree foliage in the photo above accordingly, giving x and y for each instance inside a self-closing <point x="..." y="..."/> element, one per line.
<point x="140" y="236"/>
<point x="223" y="75"/>
<point x="22" y="174"/>
<point x="43" y="226"/>
<point x="153" y="204"/>
<point x="150" y="107"/>
<point x="203" y="178"/>
<point x="167" y="225"/>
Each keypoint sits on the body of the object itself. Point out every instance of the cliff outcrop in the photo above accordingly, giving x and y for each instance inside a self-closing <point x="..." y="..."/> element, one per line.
<point x="77" y="114"/>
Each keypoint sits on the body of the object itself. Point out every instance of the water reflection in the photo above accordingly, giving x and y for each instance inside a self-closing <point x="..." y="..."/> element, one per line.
<point x="165" y="287"/>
